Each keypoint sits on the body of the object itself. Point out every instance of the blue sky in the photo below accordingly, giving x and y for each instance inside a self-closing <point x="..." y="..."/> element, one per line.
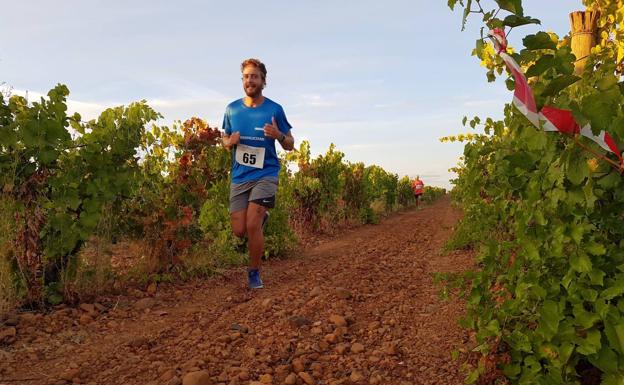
<point x="383" y="80"/>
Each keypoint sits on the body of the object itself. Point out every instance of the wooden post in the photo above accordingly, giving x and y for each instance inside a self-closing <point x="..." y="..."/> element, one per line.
<point x="584" y="31"/>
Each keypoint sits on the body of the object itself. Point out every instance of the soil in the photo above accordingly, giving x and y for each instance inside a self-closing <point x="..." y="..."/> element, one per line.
<point x="359" y="308"/>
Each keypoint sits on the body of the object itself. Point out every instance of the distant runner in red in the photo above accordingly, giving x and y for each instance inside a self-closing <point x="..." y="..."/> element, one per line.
<point x="418" y="187"/>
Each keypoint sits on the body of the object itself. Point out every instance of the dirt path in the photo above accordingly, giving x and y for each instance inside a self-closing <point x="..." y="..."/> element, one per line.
<point x="358" y="309"/>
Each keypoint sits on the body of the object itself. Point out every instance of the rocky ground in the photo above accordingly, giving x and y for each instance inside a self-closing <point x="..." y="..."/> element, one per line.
<point x="360" y="308"/>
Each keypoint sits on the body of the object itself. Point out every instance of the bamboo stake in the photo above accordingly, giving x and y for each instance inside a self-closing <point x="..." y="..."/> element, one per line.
<point x="584" y="33"/>
<point x="584" y="30"/>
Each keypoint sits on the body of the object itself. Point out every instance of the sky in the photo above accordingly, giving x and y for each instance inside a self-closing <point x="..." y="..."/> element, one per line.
<point x="382" y="80"/>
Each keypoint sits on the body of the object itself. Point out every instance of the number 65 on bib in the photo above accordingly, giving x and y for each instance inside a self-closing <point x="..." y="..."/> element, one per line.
<point x="250" y="156"/>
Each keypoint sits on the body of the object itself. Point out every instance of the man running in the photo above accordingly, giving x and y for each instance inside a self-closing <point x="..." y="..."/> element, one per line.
<point x="252" y="125"/>
<point x="418" y="188"/>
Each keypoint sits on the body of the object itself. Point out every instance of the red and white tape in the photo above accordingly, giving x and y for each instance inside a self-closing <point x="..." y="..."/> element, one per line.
<point x="548" y="118"/>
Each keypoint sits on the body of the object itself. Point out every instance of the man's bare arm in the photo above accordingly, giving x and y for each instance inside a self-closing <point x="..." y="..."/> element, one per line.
<point x="231" y="140"/>
<point x="288" y="143"/>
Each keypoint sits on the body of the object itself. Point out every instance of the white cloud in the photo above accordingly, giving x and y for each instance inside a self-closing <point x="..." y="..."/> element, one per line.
<point x="314" y="100"/>
<point x="209" y="107"/>
<point x="484" y="103"/>
<point x="87" y="110"/>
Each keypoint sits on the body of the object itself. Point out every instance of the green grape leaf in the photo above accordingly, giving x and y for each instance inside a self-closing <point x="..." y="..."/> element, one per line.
<point x="48" y="156"/>
<point x="512" y="370"/>
<point x="550" y="316"/>
<point x="591" y="344"/>
<point x="580" y="262"/>
<point x="615" y="335"/>
<point x="597" y="277"/>
<point x="607" y="82"/>
<point x="513" y="6"/>
<point x="611" y="379"/>
<point x="599" y="113"/>
<point x="536" y="140"/>
<point x="584" y="318"/>
<point x="541" y="65"/>
<point x="540" y="40"/>
<point x="519" y="341"/>
<point x="616" y="289"/>
<point x="605" y="360"/>
<point x="516" y="21"/>
<point x="467" y="10"/>
<point x="577" y="170"/>
<point x="595" y="248"/>
<point x="559" y="83"/>
<point x="8" y="137"/>
<point x="610" y="180"/>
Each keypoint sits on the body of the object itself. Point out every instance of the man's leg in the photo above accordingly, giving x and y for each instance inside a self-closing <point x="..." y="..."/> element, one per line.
<point x="255" y="215"/>
<point x="262" y="198"/>
<point x="239" y="196"/>
<point x="239" y="225"/>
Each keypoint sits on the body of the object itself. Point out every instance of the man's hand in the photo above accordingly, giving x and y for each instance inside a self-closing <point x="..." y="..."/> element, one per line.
<point x="272" y="131"/>
<point x="235" y="138"/>
<point x="231" y="140"/>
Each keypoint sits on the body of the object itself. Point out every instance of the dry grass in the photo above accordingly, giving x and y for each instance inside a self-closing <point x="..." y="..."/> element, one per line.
<point x="93" y="274"/>
<point x="8" y="292"/>
<point x="379" y="207"/>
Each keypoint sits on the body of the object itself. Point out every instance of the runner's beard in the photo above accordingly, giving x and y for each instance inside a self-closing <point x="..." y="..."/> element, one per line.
<point x="253" y="91"/>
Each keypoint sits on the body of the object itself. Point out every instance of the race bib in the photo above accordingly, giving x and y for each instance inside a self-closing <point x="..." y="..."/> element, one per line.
<point x="250" y="156"/>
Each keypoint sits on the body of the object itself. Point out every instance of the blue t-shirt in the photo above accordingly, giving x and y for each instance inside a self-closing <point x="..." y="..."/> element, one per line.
<point x="249" y="121"/>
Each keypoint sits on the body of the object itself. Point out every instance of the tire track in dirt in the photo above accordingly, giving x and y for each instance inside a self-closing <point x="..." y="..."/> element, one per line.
<point x="358" y="309"/>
